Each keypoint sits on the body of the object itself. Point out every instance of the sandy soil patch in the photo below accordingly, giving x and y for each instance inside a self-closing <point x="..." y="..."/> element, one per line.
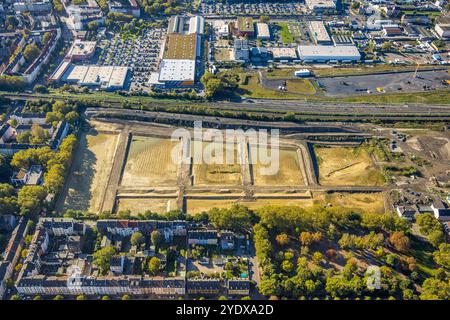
<point x="90" y="173"/>
<point x="289" y="172"/>
<point x="362" y="202"/>
<point x="219" y="173"/>
<point x="139" y="205"/>
<point x="346" y="166"/>
<point x="149" y="163"/>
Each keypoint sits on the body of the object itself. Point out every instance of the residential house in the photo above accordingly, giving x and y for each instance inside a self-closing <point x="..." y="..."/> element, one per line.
<point x="202" y="237"/>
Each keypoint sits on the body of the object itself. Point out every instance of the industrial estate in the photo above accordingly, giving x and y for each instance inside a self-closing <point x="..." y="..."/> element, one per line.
<point x="106" y="188"/>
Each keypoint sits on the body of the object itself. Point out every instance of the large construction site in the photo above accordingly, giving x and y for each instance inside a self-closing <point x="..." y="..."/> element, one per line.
<point x="125" y="162"/>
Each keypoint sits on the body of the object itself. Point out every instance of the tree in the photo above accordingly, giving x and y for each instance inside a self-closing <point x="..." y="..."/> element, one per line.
<point x="156" y="238"/>
<point x="92" y="25"/>
<point x="46" y="38"/>
<point x="400" y="241"/>
<point x="39" y="135"/>
<point x="24" y="137"/>
<point x="72" y="117"/>
<point x="15" y="297"/>
<point x="442" y="256"/>
<point x="236" y="218"/>
<point x="282" y="239"/>
<point x="125" y="297"/>
<point x="287" y="266"/>
<point x="435" y="289"/>
<point x="264" y="19"/>
<point x="12" y="83"/>
<point x="436" y="237"/>
<point x="106" y="298"/>
<point x="102" y="258"/>
<point x="81" y="297"/>
<point x="154" y="265"/>
<point x="427" y="223"/>
<point x="386" y="46"/>
<point x="137" y="238"/>
<point x="39" y="88"/>
<point x="269" y="287"/>
<point x="30" y="199"/>
<point x="58" y="297"/>
<point x="31" y="52"/>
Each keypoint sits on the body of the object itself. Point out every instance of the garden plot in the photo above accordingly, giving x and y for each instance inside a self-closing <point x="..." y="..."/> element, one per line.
<point x="149" y="163"/>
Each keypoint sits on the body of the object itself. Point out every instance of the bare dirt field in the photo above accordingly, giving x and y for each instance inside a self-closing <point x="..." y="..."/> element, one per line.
<point x="289" y="172"/>
<point x="346" y="166"/>
<point x="90" y="172"/>
<point x="149" y="163"/>
<point x="139" y="205"/>
<point x="195" y="206"/>
<point x="362" y="202"/>
<point x="217" y="173"/>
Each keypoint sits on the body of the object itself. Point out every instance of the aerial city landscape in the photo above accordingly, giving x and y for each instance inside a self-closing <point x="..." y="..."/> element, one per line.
<point x="224" y="150"/>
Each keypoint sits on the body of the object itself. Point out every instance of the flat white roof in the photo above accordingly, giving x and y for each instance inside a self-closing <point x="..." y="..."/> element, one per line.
<point x="319" y="31"/>
<point x="284" y="53"/>
<point x="263" y="30"/>
<point x="328" y="52"/>
<point x="82" y="48"/>
<point x="177" y="70"/>
<point x="77" y="74"/>
<point x="61" y="70"/>
<point x="313" y="4"/>
<point x="106" y="76"/>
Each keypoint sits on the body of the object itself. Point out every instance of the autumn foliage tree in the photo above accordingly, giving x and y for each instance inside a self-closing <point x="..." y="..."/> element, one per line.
<point x="282" y="239"/>
<point x="400" y="241"/>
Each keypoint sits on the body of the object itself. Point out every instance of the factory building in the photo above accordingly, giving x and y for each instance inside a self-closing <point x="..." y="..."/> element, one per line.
<point x="241" y="50"/>
<point x="442" y="30"/>
<point x="186" y="25"/>
<point x="323" y="54"/>
<point x="320" y="5"/>
<point x="319" y="32"/>
<point x="81" y="50"/>
<point x="180" y="53"/>
<point x="245" y="27"/>
<point x="105" y="77"/>
<point x="263" y="31"/>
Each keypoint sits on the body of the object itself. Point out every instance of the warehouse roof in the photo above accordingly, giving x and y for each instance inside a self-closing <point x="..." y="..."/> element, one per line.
<point x="177" y="70"/>
<point x="330" y="52"/>
<point x="179" y="46"/>
<point x="263" y="30"/>
<point x="319" y="31"/>
<point x="245" y="24"/>
<point x="82" y="48"/>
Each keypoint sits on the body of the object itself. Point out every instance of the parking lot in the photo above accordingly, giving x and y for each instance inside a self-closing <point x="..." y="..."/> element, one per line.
<point x="392" y="82"/>
<point x="209" y="7"/>
<point x="140" y="54"/>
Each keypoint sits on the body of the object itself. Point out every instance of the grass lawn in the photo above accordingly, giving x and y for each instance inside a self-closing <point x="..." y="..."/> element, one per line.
<point x="303" y="86"/>
<point x="296" y="88"/>
<point x="286" y="35"/>
<point x="430" y="97"/>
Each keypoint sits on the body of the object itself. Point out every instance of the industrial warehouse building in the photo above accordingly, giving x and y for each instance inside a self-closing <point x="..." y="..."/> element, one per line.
<point x="262" y="30"/>
<point x="105" y="77"/>
<point x="320" y="5"/>
<point x="319" y="32"/>
<point x="180" y="52"/>
<point x="328" y="53"/>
